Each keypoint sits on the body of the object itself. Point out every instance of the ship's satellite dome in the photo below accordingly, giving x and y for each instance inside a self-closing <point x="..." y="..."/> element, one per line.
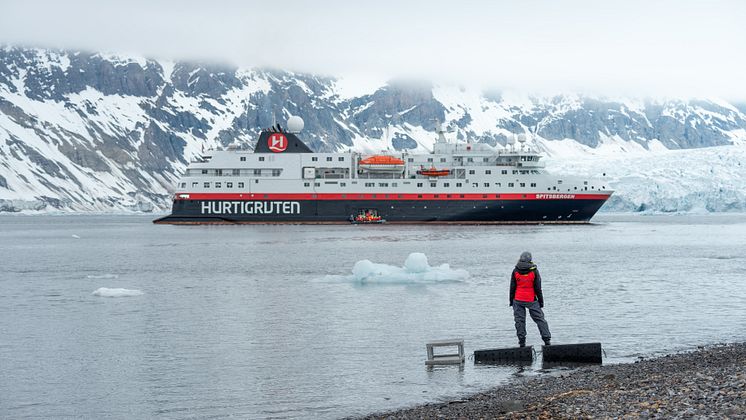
<point x="522" y="138"/>
<point x="295" y="124"/>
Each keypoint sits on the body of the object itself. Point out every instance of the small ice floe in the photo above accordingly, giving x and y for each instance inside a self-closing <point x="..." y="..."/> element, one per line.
<point x="76" y="236"/>
<point x="102" y="276"/>
<point x="106" y="292"/>
<point x="416" y="269"/>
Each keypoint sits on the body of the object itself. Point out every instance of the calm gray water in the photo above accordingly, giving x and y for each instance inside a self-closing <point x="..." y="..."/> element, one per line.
<point x="242" y="321"/>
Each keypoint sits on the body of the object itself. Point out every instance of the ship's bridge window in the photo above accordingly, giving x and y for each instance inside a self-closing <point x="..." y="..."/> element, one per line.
<point x="524" y="171"/>
<point x="207" y="185"/>
<point x="514" y="171"/>
<point x="243" y="158"/>
<point x="240" y="185"/>
<point x="485" y="159"/>
<point x="429" y="159"/>
<point x="394" y="184"/>
<point x="341" y="159"/>
<point x="585" y="182"/>
<point x="433" y="184"/>
<point x="342" y="184"/>
<point x="306" y="184"/>
<point x="486" y="184"/>
<point x="370" y="184"/>
<point x="470" y="159"/>
<point x="498" y="184"/>
<point x="218" y="185"/>
<point x="475" y="184"/>
<point x="458" y="184"/>
<point x="488" y="172"/>
<point x="236" y="172"/>
<point x="316" y="184"/>
<point x="204" y="172"/>
<point x="183" y="185"/>
<point x="328" y="158"/>
<point x="446" y="184"/>
<point x="504" y="171"/>
<point x="559" y="181"/>
<point x="194" y="184"/>
<point x="315" y="158"/>
<point x="522" y="184"/>
<point x="257" y="171"/>
<point x="419" y="185"/>
<point x="533" y="184"/>
<point x="261" y="158"/>
<point x="471" y="171"/>
<point x="511" y="185"/>
<point x="410" y="160"/>
<point x="383" y="184"/>
<point x="442" y="159"/>
<point x="229" y="185"/>
<point x="276" y="172"/>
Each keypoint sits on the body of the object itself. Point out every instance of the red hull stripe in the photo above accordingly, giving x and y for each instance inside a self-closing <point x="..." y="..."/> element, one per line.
<point x="354" y="196"/>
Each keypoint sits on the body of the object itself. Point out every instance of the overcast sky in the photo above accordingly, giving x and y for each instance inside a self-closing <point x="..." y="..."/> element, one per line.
<point x="678" y="48"/>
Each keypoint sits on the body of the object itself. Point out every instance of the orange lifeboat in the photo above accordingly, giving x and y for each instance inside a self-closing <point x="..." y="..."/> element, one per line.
<point x="434" y="172"/>
<point x="381" y="163"/>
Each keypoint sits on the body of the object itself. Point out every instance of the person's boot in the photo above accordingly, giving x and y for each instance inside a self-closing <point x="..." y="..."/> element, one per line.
<point x="521" y="342"/>
<point x="547" y="341"/>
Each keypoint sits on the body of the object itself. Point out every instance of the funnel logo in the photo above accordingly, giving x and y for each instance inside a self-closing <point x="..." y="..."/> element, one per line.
<point x="277" y="142"/>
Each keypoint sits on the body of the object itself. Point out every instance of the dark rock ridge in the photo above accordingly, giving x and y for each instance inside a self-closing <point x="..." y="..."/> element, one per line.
<point x="87" y="131"/>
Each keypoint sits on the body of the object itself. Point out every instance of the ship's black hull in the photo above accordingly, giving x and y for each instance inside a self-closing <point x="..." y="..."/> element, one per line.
<point x="575" y="210"/>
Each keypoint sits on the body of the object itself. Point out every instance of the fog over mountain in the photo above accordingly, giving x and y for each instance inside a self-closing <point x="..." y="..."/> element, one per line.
<point x="83" y="131"/>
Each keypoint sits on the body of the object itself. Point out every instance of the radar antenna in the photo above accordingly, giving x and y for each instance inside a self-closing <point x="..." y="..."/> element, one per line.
<point x="441" y="131"/>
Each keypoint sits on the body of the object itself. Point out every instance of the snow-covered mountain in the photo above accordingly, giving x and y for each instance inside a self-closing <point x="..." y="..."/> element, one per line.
<point x="96" y="132"/>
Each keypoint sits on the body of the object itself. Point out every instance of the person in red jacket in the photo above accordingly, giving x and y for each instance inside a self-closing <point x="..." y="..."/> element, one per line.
<point x="525" y="293"/>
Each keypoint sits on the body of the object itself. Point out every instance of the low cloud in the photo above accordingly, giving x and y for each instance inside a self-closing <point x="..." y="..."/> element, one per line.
<point x="671" y="48"/>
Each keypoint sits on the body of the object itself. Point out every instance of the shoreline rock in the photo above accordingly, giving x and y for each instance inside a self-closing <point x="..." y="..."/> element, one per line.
<point x="709" y="382"/>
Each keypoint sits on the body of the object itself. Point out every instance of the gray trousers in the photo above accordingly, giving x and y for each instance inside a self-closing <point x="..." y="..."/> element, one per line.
<point x="519" y="314"/>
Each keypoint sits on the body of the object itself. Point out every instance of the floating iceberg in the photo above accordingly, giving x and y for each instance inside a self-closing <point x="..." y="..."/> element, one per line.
<point x="416" y="269"/>
<point x="106" y="292"/>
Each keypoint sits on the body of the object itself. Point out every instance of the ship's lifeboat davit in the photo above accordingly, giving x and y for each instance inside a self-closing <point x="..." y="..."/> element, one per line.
<point x="432" y="171"/>
<point x="382" y="163"/>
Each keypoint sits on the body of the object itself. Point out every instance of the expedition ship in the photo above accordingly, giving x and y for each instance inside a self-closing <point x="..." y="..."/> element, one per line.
<point x="283" y="181"/>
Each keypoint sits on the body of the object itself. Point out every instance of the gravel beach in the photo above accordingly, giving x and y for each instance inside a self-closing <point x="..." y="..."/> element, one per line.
<point x="707" y="383"/>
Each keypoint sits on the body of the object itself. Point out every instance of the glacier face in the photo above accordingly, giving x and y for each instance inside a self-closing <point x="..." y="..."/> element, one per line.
<point x="96" y="132"/>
